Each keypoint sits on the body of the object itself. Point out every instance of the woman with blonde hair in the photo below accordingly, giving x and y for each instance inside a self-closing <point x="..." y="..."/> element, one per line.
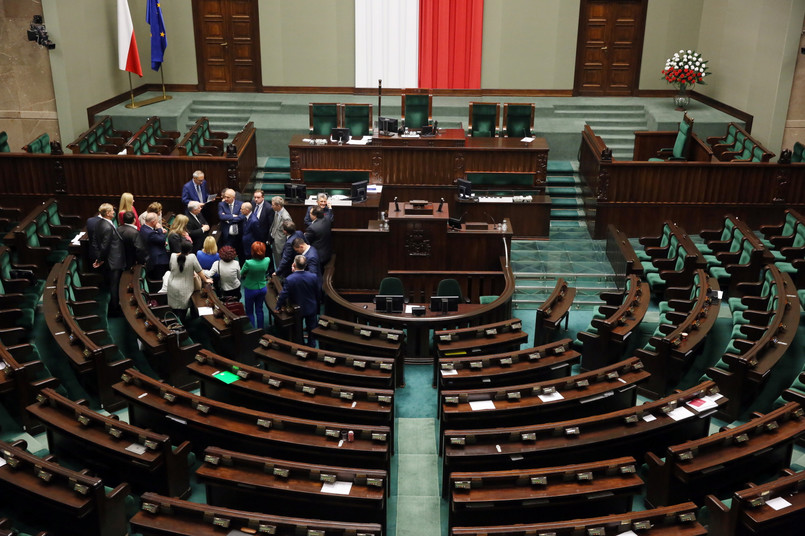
<point x="208" y="254"/>
<point x="178" y="233"/>
<point x="127" y="205"/>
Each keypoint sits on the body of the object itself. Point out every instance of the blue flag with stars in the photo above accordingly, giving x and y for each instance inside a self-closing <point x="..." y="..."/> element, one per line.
<point x="159" y="41"/>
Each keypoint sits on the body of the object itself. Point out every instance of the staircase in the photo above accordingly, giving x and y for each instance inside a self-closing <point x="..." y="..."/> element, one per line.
<point x="615" y="123"/>
<point x="229" y="116"/>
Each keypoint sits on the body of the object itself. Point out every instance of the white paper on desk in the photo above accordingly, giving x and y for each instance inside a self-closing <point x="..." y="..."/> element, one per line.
<point x="410" y="135"/>
<point x="628" y="533"/>
<point x="680" y="413"/>
<point x="337" y="487"/>
<point x="648" y="417"/>
<point x="374" y="189"/>
<point x="77" y="237"/>
<point x="204" y="311"/>
<point x="136" y="448"/>
<point x="478" y="405"/>
<point x="778" y="503"/>
<point x="409" y="309"/>
<point x="2" y="365"/>
<point x="449" y="372"/>
<point x="361" y="141"/>
<point x="528" y="139"/>
<point x="706" y="402"/>
<point x="2" y="461"/>
<point x="551" y="397"/>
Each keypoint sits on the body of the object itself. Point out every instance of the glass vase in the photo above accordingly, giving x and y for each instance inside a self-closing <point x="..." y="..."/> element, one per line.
<point x="681" y="99"/>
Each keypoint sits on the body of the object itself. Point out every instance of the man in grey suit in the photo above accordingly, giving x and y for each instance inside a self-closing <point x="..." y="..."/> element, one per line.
<point x="111" y="257"/>
<point x="133" y="245"/>
<point x="278" y="236"/>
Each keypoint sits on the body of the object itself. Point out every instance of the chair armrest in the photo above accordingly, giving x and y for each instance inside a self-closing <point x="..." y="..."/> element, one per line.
<point x="49" y="241"/>
<point x="656" y="252"/>
<point x="585" y="336"/>
<point x="612" y="298"/>
<point x="793" y="253"/>
<point x="760" y="318"/>
<point x="11" y="301"/>
<point x="674" y="318"/>
<point x="664" y="264"/>
<point x="749" y="288"/>
<point x="753" y="332"/>
<point x="678" y="293"/>
<point x="728" y="257"/>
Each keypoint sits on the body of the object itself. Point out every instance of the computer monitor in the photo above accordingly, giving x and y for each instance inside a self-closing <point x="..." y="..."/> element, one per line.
<point x="389" y="303"/>
<point x="357" y="191"/>
<point x="387" y="125"/>
<point x="340" y="134"/>
<point x="464" y="188"/>
<point x="295" y="193"/>
<point x="444" y="304"/>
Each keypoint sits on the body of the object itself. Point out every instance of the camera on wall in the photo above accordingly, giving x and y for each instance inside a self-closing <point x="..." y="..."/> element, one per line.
<point x="38" y="33"/>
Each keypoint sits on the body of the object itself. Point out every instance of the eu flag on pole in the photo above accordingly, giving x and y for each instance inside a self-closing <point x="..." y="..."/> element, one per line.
<point x="159" y="42"/>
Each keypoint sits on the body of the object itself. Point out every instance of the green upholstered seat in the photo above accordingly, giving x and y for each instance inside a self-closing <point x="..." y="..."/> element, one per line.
<point x="449" y="287"/>
<point x="323" y="118"/>
<point x="679" y="150"/>
<point x="796" y="153"/>
<point x="4" y="147"/>
<point x="417" y="110"/>
<point x="484" y="119"/>
<point x="40" y="145"/>
<point x="391" y="286"/>
<point x="518" y="119"/>
<point x="483" y="300"/>
<point x="357" y="118"/>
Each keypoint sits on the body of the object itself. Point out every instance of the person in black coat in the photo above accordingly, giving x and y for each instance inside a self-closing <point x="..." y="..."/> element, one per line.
<point x="319" y="236"/>
<point x="264" y="216"/>
<point x="111" y="257"/>
<point x="155" y="241"/>
<point x="133" y="246"/>
<point x="301" y="288"/>
<point x="250" y="230"/>
<point x="197" y="226"/>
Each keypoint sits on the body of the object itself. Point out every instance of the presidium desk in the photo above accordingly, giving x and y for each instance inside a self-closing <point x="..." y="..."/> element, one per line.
<point x="429" y="160"/>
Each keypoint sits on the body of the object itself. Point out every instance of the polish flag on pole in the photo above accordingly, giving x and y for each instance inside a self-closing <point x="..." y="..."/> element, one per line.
<point x="127" y="56"/>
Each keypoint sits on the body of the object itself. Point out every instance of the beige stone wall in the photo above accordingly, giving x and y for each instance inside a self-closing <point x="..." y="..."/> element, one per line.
<point x="795" y="121"/>
<point x="27" y="99"/>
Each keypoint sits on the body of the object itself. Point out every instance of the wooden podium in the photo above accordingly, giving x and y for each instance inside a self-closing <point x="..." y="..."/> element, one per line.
<point x="419" y="233"/>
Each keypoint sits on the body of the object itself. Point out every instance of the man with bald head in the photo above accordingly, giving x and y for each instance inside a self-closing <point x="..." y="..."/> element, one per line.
<point x="250" y="230"/>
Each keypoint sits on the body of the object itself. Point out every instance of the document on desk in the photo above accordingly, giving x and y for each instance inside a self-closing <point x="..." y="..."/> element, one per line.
<point x="337" y="487"/>
<point x="360" y="141"/>
<point x="680" y="413"/>
<point x="204" y="311"/>
<point x="528" y="139"/>
<point x="478" y="405"/>
<point x="778" y="503"/>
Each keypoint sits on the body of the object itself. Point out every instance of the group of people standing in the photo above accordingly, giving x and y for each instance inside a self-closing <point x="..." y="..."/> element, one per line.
<point x="257" y="239"/>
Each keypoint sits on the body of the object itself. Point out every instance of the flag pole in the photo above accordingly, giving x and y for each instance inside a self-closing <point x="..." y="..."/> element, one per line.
<point x="131" y="92"/>
<point x="152" y="100"/>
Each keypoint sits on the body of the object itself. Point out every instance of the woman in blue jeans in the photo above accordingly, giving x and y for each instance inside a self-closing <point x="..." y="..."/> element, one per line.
<point x="253" y="279"/>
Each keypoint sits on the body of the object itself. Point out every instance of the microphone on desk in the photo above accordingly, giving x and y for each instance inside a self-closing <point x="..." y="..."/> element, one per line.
<point x="490" y="217"/>
<point x="396" y="205"/>
<point x="441" y="204"/>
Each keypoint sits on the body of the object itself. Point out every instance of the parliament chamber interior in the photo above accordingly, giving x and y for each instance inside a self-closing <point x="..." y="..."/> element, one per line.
<point x="554" y="305"/>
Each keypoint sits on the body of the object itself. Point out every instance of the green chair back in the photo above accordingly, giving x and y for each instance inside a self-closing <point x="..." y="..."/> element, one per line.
<point x="796" y="154"/>
<point x="323" y="118"/>
<point x="484" y="119"/>
<point x="416" y="110"/>
<point x="391" y="286"/>
<point x="449" y="287"/>
<point x="4" y="147"/>
<point x="357" y="118"/>
<point x="518" y="120"/>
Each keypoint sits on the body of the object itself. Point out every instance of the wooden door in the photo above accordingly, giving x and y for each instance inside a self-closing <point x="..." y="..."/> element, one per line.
<point x="609" y="48"/>
<point x="227" y="45"/>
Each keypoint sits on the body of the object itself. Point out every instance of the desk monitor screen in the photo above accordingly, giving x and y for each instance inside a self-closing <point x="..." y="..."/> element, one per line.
<point x="464" y="188"/>
<point x="295" y="193"/>
<point x="387" y="125"/>
<point x="444" y="304"/>
<point x="389" y="303"/>
<point x="340" y="134"/>
<point x="357" y="192"/>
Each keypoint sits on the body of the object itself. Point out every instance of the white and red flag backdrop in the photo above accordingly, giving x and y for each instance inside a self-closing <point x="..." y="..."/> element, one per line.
<point x="419" y="43"/>
<point x="128" y="57"/>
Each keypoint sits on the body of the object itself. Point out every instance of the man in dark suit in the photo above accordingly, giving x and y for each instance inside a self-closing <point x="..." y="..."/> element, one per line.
<point x="231" y="226"/>
<point x="133" y="246"/>
<point x="249" y="229"/>
<point x="264" y="216"/>
<point x="311" y="257"/>
<point x="92" y="224"/>
<point x="111" y="257"/>
<point x="197" y="226"/>
<point x="319" y="236"/>
<point x="195" y="189"/>
<point x="302" y="288"/>
<point x="154" y="239"/>
<point x="291" y="234"/>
